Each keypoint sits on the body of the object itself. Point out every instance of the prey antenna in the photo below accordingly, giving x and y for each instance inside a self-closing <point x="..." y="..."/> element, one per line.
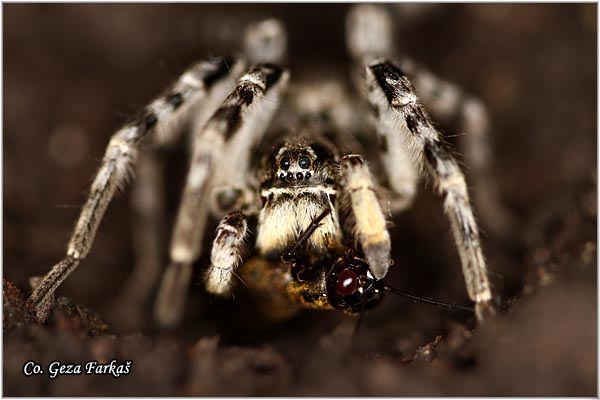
<point x="427" y="300"/>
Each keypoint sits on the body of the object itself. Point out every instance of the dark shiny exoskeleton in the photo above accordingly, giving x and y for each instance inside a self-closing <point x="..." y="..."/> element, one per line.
<point x="348" y="283"/>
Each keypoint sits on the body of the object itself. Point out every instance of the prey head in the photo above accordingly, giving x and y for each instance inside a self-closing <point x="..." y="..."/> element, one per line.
<point x="351" y="287"/>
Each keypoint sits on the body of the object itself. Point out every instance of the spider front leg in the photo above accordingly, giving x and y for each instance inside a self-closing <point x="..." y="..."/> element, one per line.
<point x="196" y="90"/>
<point x="370" y="36"/>
<point x="398" y="106"/>
<point x="226" y="253"/>
<point x="449" y="102"/>
<point x="369" y="224"/>
<point x="221" y="152"/>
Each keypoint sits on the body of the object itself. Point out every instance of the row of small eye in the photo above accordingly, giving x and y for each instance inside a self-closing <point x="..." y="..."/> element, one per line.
<point x="299" y="175"/>
<point x="304" y="163"/>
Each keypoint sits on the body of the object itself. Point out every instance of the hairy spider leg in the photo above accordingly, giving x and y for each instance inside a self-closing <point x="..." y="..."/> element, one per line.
<point x="199" y="86"/>
<point x="244" y="114"/>
<point x="396" y="101"/>
<point x="231" y="187"/>
<point x="226" y="253"/>
<point x="368" y="223"/>
<point x="370" y="36"/>
<point x="449" y="103"/>
<point x="266" y="42"/>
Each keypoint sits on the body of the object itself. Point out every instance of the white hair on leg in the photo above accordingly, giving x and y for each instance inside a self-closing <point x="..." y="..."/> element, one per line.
<point x="119" y="158"/>
<point x="369" y="222"/>
<point x="242" y="109"/>
<point x="226" y="254"/>
<point x="396" y="100"/>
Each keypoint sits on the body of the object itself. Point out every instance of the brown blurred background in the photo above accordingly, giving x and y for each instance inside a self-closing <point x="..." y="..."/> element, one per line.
<point x="74" y="72"/>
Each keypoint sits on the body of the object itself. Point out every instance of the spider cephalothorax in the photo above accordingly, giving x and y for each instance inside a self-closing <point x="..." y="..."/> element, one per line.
<point x="300" y="179"/>
<point x="296" y="164"/>
<point x="305" y="176"/>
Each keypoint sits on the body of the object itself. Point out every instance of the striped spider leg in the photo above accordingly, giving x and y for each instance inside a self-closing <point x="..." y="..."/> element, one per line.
<point x="413" y="145"/>
<point x="370" y="36"/>
<point x="399" y="106"/>
<point x="218" y="176"/>
<point x="197" y="91"/>
<point x="448" y="102"/>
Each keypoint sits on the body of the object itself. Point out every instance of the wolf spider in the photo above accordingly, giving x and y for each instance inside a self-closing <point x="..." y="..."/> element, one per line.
<point x="310" y="170"/>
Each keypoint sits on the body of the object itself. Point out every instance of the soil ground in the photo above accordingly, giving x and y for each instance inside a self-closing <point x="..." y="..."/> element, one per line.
<point x="72" y="73"/>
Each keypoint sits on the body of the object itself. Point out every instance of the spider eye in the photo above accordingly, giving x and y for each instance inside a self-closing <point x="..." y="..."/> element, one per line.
<point x="347" y="282"/>
<point x="304" y="162"/>
<point x="284" y="164"/>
